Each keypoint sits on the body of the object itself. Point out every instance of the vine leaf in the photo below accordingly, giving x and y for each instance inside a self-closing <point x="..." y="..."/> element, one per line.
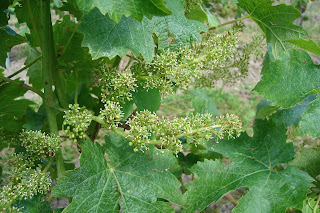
<point x="288" y="81"/>
<point x="179" y="29"/>
<point x="137" y="9"/>
<point x="114" y="175"/>
<point x="148" y="99"/>
<point x="68" y="45"/>
<point x="33" y="205"/>
<point x="253" y="162"/>
<point x="106" y="38"/>
<point x="308" y="45"/>
<point x="308" y="161"/>
<point x="27" y="12"/>
<point x="275" y="22"/>
<point x="35" y="73"/>
<point x="4" y="4"/>
<point x="9" y="38"/>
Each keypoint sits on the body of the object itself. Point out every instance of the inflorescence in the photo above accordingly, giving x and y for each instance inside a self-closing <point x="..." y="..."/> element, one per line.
<point x="24" y="180"/>
<point x="147" y="128"/>
<point x="39" y="144"/>
<point x="111" y="114"/>
<point x="77" y="119"/>
<point x="116" y="86"/>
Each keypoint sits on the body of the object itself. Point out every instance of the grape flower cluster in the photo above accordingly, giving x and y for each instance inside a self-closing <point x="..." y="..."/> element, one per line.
<point x="39" y="144"/>
<point x="180" y="68"/>
<point x="116" y="86"/>
<point x="77" y="119"/>
<point x="24" y="181"/>
<point x="111" y="114"/>
<point x="147" y="128"/>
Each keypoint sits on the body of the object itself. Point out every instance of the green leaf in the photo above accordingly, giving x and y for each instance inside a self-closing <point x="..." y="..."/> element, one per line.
<point x="289" y="80"/>
<point x="180" y="30"/>
<point x="12" y="111"/>
<point x="292" y="116"/>
<point x="106" y="38"/>
<point x="308" y="161"/>
<point x="4" y="4"/>
<point x="8" y="39"/>
<point x="275" y="22"/>
<point x="72" y="7"/>
<point x="309" y="124"/>
<point x="148" y="99"/>
<point x="68" y="45"/>
<point x="309" y="205"/>
<point x="33" y="205"/>
<point x="203" y="103"/>
<point x="35" y="120"/>
<point x="308" y="45"/>
<point x="137" y="9"/>
<point x="197" y="13"/>
<point x="253" y="162"/>
<point x="28" y="12"/>
<point x="115" y="175"/>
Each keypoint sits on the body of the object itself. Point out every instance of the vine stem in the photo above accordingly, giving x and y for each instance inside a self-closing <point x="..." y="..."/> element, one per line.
<point x="316" y="206"/>
<point x="49" y="67"/>
<point x="48" y="166"/>
<point x="22" y="85"/>
<point x="226" y="23"/>
<point x="172" y="108"/>
<point x="23" y="68"/>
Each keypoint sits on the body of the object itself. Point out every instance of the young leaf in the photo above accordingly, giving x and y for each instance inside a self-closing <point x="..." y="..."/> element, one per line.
<point x="116" y="176"/>
<point x="137" y="9"/>
<point x="253" y="162"/>
<point x="148" y="99"/>
<point x="275" y="22"/>
<point x="106" y="38"/>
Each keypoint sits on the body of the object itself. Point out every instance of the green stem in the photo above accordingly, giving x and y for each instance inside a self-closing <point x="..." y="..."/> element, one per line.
<point x="316" y="206"/>
<point x="23" y="68"/>
<point x="196" y="130"/>
<point x="49" y="67"/>
<point x="226" y="23"/>
<point x="22" y="85"/>
<point x="172" y="108"/>
<point x="48" y="166"/>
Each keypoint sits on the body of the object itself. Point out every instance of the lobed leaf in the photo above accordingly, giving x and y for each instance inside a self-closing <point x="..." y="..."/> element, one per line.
<point x="275" y="22"/>
<point x="253" y="162"/>
<point x="114" y="176"/>
<point x="116" y="9"/>
<point x="288" y="81"/>
<point x="108" y="39"/>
